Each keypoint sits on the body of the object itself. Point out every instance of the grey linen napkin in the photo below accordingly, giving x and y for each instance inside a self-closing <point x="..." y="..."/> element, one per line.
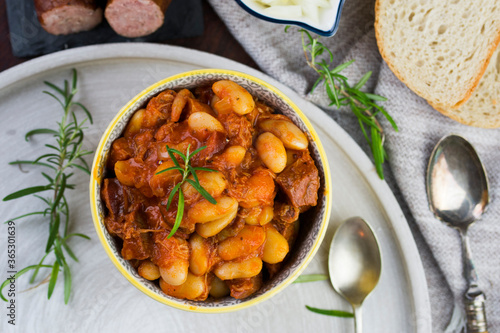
<point x="280" y="55"/>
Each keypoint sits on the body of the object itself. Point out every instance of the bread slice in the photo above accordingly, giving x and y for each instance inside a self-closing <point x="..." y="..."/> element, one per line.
<point x="438" y="48"/>
<point x="482" y="109"/>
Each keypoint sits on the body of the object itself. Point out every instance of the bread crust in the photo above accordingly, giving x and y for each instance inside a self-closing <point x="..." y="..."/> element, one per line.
<point x="482" y="123"/>
<point x="386" y="58"/>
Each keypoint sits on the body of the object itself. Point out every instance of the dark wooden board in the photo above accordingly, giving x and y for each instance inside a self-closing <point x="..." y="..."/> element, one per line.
<point x="183" y="18"/>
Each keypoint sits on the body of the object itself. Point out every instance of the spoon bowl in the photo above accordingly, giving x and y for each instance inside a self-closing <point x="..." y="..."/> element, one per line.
<point x="457" y="186"/>
<point x="354" y="263"/>
<point x="457" y="189"/>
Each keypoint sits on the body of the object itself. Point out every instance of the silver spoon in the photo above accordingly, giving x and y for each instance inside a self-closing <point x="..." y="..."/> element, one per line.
<point x="354" y="264"/>
<point x="457" y="189"/>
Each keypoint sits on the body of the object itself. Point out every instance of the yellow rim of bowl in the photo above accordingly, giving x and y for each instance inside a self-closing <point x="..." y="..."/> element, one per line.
<point x="94" y="181"/>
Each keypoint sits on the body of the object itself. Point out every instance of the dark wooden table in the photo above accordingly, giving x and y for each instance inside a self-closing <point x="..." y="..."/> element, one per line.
<point x="216" y="39"/>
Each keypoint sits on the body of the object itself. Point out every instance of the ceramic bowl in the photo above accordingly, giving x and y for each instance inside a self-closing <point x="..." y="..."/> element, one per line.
<point x="327" y="25"/>
<point x="313" y="223"/>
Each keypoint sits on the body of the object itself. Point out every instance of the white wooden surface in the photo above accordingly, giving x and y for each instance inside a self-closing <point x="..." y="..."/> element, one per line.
<point x="102" y="300"/>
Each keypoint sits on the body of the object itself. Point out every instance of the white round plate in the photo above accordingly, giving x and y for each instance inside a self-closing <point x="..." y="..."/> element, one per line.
<point x="102" y="300"/>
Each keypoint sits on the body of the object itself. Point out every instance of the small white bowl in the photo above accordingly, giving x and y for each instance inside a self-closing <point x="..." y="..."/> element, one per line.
<point x="327" y="26"/>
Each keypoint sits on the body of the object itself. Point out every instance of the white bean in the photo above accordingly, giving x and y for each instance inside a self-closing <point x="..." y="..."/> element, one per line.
<point x="148" y="270"/>
<point x="236" y="270"/>
<point x="291" y="136"/>
<point x="239" y="98"/>
<point x="200" y="251"/>
<point x="202" y="121"/>
<point x="218" y="288"/>
<point x="175" y="272"/>
<point x="203" y="211"/>
<point x="212" y="228"/>
<point x="135" y="123"/>
<point x="271" y="151"/>
<point x="213" y="182"/>
<point x="194" y="288"/>
<point x="276" y="247"/>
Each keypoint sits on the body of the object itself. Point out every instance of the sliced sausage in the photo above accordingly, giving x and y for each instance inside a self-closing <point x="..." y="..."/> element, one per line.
<point x="135" y="18"/>
<point x="62" y="17"/>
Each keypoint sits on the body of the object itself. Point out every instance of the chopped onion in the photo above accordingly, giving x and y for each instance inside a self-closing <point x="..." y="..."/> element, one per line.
<point x="291" y="12"/>
<point x="293" y="9"/>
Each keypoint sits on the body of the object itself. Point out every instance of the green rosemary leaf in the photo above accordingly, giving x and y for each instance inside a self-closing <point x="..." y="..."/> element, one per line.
<point x="204" y="169"/>
<point x="59" y="252"/>
<point x="47" y="201"/>
<point x="193" y="172"/>
<point x="363" y="80"/>
<point x="377" y="152"/>
<point x="172" y="157"/>
<point x="52" y="147"/>
<point x="389" y="118"/>
<point x="50" y="179"/>
<point x="32" y="163"/>
<point x="27" y="191"/>
<point x="60" y="192"/>
<point x="375" y="97"/>
<point x="55" y="97"/>
<point x="17" y="275"/>
<point x="363" y="130"/>
<point x="84" y="169"/>
<point x="46" y="156"/>
<point x="197" y="151"/>
<point x="54" y="228"/>
<point x="310" y="278"/>
<point x="169" y="169"/>
<point x="320" y="79"/>
<point x="69" y="251"/>
<point x="180" y="213"/>
<point x="334" y="313"/>
<point x="341" y="67"/>
<point x="73" y="83"/>
<point x="178" y="153"/>
<point x="66" y="90"/>
<point x="67" y="283"/>
<point x="37" y="269"/>
<point x="172" y="194"/>
<point x="24" y="215"/>
<point x="84" y="162"/>
<point x="76" y="235"/>
<point x="84" y="153"/>
<point x="53" y="86"/>
<point x="202" y="191"/>
<point x="39" y="131"/>
<point x="53" y="279"/>
<point x="89" y="116"/>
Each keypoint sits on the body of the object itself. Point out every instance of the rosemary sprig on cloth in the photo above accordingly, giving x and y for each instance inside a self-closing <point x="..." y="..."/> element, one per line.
<point x="341" y="93"/>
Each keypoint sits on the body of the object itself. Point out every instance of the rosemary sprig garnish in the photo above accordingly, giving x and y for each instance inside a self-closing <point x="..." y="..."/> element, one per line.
<point x="341" y="93"/>
<point x="185" y="171"/>
<point x="333" y="313"/>
<point x="67" y="153"/>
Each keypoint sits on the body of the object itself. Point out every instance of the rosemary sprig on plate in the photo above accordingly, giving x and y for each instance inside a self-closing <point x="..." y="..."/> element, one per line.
<point x="341" y="93"/>
<point x="185" y="171"/>
<point x="65" y="154"/>
<point x="333" y="313"/>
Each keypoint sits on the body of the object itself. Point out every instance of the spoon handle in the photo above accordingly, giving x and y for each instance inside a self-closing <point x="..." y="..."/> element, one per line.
<point x="358" y="327"/>
<point x="476" y="314"/>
